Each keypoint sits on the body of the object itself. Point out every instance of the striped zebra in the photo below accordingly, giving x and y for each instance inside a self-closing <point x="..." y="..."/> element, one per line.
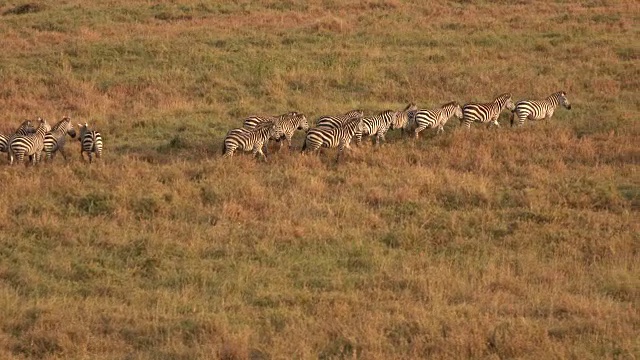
<point x="330" y="137"/>
<point x="539" y="109"/>
<point x="339" y="120"/>
<point x="250" y="139"/>
<point x="24" y="129"/>
<point x="288" y="123"/>
<point x="376" y="125"/>
<point x="90" y="142"/>
<point x="402" y="117"/>
<point x="55" y="139"/>
<point x="487" y="112"/>
<point x="423" y="119"/>
<point x="30" y="144"/>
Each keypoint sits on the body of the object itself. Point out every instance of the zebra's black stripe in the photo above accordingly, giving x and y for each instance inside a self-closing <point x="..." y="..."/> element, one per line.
<point x="539" y="109"/>
<point x="487" y="112"/>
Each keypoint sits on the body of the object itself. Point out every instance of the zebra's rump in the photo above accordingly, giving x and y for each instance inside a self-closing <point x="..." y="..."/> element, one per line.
<point x="92" y="142"/>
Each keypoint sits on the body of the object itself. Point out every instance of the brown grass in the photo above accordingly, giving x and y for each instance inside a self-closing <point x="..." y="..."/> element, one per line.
<point x="489" y="243"/>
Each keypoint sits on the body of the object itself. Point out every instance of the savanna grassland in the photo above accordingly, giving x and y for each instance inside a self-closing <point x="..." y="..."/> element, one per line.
<point x="488" y="243"/>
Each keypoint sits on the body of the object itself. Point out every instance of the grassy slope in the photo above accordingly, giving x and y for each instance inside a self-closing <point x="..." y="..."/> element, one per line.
<point x="507" y="243"/>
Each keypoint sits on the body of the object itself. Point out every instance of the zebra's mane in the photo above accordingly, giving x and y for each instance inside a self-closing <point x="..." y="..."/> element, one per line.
<point x="58" y="126"/>
<point x="451" y="103"/>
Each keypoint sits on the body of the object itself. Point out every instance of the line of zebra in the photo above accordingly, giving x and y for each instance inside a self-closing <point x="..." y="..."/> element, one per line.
<point x="338" y="130"/>
<point x="33" y="142"/>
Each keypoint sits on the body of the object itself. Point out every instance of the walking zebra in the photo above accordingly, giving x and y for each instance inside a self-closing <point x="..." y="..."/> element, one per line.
<point x="90" y="142"/>
<point x="424" y="119"/>
<point x="487" y="112"/>
<point x="339" y="120"/>
<point x="376" y="125"/>
<point x="288" y="123"/>
<point x="402" y="117"/>
<point x="30" y="144"/>
<point x="24" y="129"/>
<point x="330" y="137"/>
<point x="55" y="139"/>
<point x="250" y="139"/>
<point x="539" y="109"/>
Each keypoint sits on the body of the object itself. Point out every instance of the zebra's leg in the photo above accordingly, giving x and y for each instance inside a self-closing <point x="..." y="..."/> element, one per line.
<point x="418" y="130"/>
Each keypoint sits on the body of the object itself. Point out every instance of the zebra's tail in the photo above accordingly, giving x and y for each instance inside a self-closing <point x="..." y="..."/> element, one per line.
<point x="224" y="147"/>
<point x="513" y="117"/>
<point x="304" y="145"/>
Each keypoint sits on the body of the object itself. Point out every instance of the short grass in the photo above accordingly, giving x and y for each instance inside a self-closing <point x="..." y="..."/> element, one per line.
<point x="501" y="243"/>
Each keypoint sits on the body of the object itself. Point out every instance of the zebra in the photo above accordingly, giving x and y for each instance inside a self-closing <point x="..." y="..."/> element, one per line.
<point x="423" y="119"/>
<point x="330" y="137"/>
<point x="90" y="142"/>
<point x="28" y="144"/>
<point x="24" y="129"/>
<point x="250" y="139"/>
<point x="339" y="120"/>
<point x="376" y="125"/>
<point x="288" y="123"/>
<point x="487" y="112"/>
<point x="539" y="109"/>
<point x="402" y="117"/>
<point x="55" y="139"/>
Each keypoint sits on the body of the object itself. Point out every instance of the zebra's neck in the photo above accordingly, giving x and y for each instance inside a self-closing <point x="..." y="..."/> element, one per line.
<point x="553" y="99"/>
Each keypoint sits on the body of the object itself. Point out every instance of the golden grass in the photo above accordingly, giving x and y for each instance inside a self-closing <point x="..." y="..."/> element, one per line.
<point x="500" y="243"/>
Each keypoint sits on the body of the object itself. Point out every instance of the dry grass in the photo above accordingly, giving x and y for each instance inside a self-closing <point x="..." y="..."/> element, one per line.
<point x="501" y="243"/>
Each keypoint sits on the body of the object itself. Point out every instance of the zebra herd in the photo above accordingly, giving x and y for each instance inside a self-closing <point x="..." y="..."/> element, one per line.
<point x="32" y="142"/>
<point x="338" y="131"/>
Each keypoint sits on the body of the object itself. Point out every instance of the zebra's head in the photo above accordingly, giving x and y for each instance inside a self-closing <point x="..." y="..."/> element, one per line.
<point x="43" y="125"/>
<point x="66" y="125"/>
<point x="562" y="98"/>
<point x="83" y="130"/>
<point x="26" y="128"/>
<point x="303" y="123"/>
<point x="508" y="102"/>
<point x="457" y="111"/>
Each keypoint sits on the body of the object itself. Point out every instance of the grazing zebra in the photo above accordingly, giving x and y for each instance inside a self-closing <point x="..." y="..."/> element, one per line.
<point x="487" y="112"/>
<point x="376" y="125"/>
<point x="24" y="129"/>
<point x="330" y="137"/>
<point x="539" y="109"/>
<point x="423" y="119"/>
<point x="250" y="139"/>
<point x="55" y="139"/>
<point x="90" y="142"/>
<point x="340" y="120"/>
<point x="30" y="144"/>
<point x="402" y="117"/>
<point x="288" y="123"/>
